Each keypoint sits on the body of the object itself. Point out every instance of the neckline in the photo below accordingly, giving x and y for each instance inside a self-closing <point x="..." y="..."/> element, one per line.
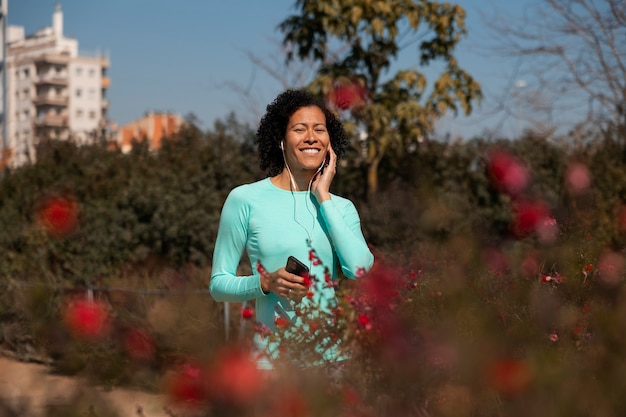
<point x="274" y="186"/>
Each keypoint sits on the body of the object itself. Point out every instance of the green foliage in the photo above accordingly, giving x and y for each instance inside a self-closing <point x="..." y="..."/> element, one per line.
<point x="400" y="109"/>
<point x="465" y="294"/>
<point x="133" y="208"/>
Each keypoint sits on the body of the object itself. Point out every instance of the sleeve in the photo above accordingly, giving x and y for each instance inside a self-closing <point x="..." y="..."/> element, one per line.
<point x="344" y="227"/>
<point x="232" y="234"/>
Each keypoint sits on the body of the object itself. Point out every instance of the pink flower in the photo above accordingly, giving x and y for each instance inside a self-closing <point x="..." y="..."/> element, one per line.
<point x="578" y="177"/>
<point x="529" y="216"/>
<point x="506" y="172"/>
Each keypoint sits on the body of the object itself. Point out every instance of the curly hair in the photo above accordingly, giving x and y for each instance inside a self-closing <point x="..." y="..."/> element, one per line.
<point x="273" y="128"/>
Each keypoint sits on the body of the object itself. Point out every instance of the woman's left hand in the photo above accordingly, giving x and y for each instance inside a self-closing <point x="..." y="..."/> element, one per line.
<point x="321" y="183"/>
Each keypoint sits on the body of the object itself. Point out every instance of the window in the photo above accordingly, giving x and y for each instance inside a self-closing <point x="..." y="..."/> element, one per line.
<point x="92" y="72"/>
<point x="79" y="92"/>
<point x="92" y="114"/>
<point x="92" y="94"/>
<point x="79" y="71"/>
<point x="79" y="113"/>
<point x="26" y="72"/>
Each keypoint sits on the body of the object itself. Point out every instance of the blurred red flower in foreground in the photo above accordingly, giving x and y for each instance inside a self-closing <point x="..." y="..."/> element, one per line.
<point x="139" y="344"/>
<point x="346" y="95"/>
<point x="510" y="377"/>
<point x="235" y="379"/>
<point x="187" y="385"/>
<point x="58" y="215"/>
<point x="507" y="172"/>
<point x="87" y="318"/>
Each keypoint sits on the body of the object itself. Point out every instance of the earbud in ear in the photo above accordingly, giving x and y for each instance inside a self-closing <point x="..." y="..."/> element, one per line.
<point x="282" y="146"/>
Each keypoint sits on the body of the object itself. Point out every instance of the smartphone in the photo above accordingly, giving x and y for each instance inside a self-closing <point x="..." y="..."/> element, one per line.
<point x="294" y="266"/>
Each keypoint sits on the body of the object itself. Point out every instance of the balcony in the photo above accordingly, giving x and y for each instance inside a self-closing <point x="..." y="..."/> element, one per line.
<point x="106" y="82"/>
<point x="51" y="100"/>
<point x="52" y="59"/>
<point x="51" y="80"/>
<point x="104" y="103"/>
<point x="51" y="120"/>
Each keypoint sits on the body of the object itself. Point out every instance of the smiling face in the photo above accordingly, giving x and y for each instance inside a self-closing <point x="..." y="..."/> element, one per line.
<point x="306" y="139"/>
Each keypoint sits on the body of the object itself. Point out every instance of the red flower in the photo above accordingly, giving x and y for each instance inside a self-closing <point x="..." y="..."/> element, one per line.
<point x="348" y="95"/>
<point x="364" y="321"/>
<point x="87" y="318"/>
<point x="307" y="279"/>
<point x="281" y="322"/>
<point x="510" y="377"/>
<point x="247" y="312"/>
<point x="529" y="217"/>
<point x="188" y="385"/>
<point x="260" y="268"/>
<point x="234" y="377"/>
<point x="139" y="344"/>
<point x="58" y="215"/>
<point x="506" y="172"/>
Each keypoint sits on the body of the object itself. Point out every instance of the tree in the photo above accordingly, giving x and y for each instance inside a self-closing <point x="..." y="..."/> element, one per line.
<point x="356" y="42"/>
<point x="575" y="53"/>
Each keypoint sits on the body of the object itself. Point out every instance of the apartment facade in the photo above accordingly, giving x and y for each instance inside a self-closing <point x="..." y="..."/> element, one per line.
<point x="52" y="92"/>
<point x="153" y="127"/>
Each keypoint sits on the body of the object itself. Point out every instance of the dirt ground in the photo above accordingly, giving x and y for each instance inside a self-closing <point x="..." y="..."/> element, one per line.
<point x="28" y="389"/>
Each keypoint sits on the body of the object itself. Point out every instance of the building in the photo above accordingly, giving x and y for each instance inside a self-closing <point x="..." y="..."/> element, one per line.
<point x="153" y="127"/>
<point x="52" y="92"/>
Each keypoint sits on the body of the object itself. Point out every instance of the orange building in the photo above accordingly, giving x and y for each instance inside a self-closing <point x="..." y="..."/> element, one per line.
<point x="152" y="127"/>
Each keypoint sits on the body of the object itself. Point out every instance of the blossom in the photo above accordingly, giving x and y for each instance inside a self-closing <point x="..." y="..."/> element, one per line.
<point x="529" y="217"/>
<point x="139" y="344"/>
<point x="610" y="268"/>
<point x="507" y="172"/>
<point x="87" y="318"/>
<point x="247" y="312"/>
<point x="348" y="94"/>
<point x="509" y="376"/>
<point x="187" y="385"/>
<point x="364" y="321"/>
<point x="578" y="178"/>
<point x="58" y="215"/>
<point x="260" y="268"/>
<point x="234" y="378"/>
<point x="281" y="322"/>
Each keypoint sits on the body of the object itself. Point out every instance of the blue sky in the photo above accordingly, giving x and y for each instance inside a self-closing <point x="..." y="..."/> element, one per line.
<point x="185" y="56"/>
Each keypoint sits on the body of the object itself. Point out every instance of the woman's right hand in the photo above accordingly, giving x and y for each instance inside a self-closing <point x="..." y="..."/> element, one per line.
<point x="285" y="284"/>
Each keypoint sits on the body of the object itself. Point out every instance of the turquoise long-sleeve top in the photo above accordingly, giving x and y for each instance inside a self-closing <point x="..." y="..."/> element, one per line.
<point x="271" y="224"/>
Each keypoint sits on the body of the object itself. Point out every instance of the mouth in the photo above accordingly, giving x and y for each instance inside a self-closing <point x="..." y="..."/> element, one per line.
<point x="311" y="151"/>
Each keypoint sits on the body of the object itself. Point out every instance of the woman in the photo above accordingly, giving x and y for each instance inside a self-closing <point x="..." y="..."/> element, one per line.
<point x="289" y="213"/>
